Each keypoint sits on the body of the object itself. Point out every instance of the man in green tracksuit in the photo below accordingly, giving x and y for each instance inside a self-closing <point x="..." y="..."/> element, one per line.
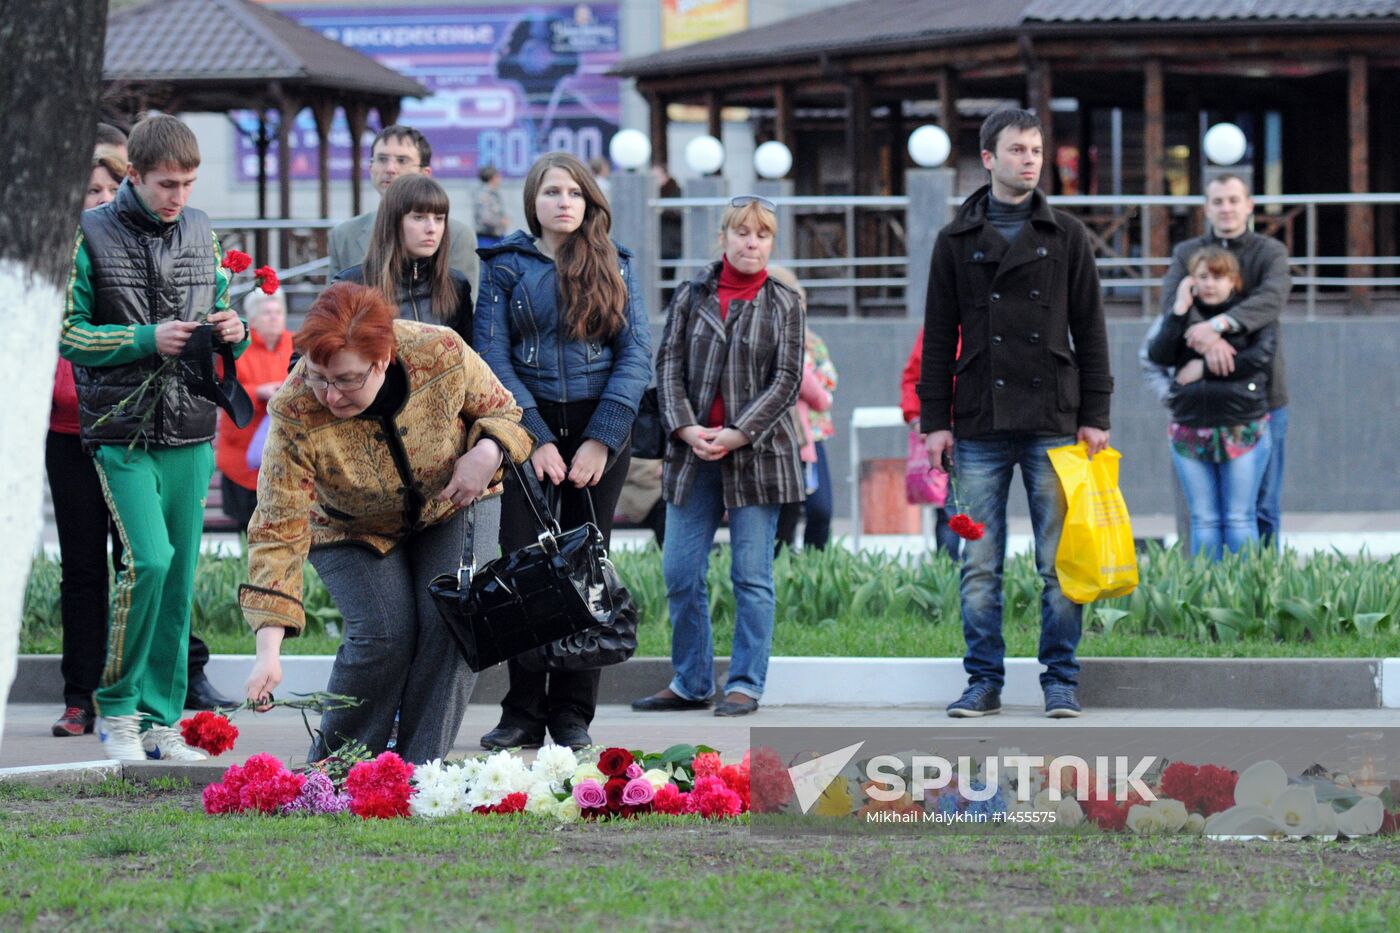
<point x="146" y="273"/>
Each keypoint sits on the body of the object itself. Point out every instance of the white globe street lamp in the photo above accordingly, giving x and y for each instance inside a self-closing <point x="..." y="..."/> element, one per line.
<point x="772" y="159"/>
<point x="704" y="155"/>
<point x="630" y="149"/>
<point x="929" y="146"/>
<point x="1224" y="144"/>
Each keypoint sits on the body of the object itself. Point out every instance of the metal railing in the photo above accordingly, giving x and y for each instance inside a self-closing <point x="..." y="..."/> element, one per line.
<point x="1122" y="228"/>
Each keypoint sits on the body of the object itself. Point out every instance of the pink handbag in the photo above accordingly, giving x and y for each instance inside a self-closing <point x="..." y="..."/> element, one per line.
<point x="922" y="484"/>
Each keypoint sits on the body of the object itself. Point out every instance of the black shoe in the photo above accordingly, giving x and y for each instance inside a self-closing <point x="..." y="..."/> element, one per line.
<point x="510" y="737"/>
<point x="979" y="699"/>
<point x="1061" y="701"/>
<point x="200" y="694"/>
<point x="740" y="708"/>
<point x="656" y="704"/>
<point x="574" y="736"/>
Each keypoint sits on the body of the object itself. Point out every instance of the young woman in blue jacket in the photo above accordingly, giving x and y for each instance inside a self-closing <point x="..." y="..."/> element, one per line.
<point x="561" y="323"/>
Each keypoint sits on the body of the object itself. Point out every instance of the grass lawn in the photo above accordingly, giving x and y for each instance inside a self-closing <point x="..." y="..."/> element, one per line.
<point x="118" y="855"/>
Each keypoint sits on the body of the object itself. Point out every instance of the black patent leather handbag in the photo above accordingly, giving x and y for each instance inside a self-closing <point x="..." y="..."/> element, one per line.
<point x="556" y="604"/>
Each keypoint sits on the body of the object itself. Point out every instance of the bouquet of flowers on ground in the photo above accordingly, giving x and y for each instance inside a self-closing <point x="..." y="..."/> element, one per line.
<point x="213" y="732"/>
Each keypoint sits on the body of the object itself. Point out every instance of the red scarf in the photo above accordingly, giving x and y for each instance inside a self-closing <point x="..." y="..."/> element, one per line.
<point x="733" y="285"/>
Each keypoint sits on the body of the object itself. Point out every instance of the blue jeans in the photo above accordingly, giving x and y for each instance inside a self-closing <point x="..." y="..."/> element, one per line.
<point x="690" y="530"/>
<point x="1270" y="507"/>
<point x="1223" y="497"/>
<point x="982" y="468"/>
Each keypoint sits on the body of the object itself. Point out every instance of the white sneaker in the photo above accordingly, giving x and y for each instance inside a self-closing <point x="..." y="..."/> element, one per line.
<point x="121" y="737"/>
<point x="163" y="742"/>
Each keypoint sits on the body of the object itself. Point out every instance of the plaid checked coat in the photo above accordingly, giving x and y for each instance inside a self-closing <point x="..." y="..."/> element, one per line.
<point x="755" y="357"/>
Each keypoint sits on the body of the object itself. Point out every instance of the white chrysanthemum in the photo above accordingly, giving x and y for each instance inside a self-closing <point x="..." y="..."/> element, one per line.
<point x="428" y="773"/>
<point x="471" y="768"/>
<point x="479" y="796"/>
<point x="555" y="764"/>
<point x="498" y="774"/>
<point x="435" y="800"/>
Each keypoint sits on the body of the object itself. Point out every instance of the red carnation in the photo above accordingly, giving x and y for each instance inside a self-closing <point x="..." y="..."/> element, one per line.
<point x="736" y="778"/>
<point x="236" y="261"/>
<point x="669" y="799"/>
<point x="209" y="731"/>
<point x="514" y="803"/>
<point x="380" y="788"/>
<point x="1390" y="823"/>
<point x="965" y="527"/>
<point x="712" y="799"/>
<point x="706" y="763"/>
<point x="769" y="783"/>
<point x="267" y="279"/>
<point x="614" y="761"/>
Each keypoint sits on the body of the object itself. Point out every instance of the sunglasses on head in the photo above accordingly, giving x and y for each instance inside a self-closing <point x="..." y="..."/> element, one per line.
<point x="744" y="200"/>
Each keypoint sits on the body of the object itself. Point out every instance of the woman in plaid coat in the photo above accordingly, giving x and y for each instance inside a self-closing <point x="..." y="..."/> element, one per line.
<point x="727" y="376"/>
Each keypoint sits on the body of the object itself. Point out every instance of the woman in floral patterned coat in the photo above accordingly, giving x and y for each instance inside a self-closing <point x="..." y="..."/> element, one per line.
<point x="384" y="432"/>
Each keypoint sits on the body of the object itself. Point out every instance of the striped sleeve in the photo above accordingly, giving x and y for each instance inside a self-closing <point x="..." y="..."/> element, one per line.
<point x="87" y="344"/>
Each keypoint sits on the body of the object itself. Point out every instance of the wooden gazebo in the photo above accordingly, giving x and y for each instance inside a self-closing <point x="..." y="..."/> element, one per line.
<point x="226" y="55"/>
<point x="865" y="73"/>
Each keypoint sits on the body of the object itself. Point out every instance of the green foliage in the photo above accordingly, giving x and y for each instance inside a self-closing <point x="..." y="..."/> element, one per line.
<point x="834" y="602"/>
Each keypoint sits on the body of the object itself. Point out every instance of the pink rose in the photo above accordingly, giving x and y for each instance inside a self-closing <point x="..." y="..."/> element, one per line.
<point x="633" y="771"/>
<point x="637" y="792"/>
<point x="589" y="795"/>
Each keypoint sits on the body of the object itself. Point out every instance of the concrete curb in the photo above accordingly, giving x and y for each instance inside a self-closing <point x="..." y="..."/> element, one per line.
<point x="1143" y="683"/>
<point x="95" y="772"/>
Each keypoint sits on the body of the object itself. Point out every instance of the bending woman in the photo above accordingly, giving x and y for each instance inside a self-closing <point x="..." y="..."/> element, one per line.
<point x="560" y="321"/>
<point x="382" y="435"/>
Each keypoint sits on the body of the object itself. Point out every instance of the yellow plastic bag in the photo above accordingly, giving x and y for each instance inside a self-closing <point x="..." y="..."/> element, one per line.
<point x="1096" y="559"/>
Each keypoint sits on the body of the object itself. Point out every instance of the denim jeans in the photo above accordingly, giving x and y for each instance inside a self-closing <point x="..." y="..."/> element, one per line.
<point x="982" y="469"/>
<point x="1223" y="497"/>
<point x="1270" y="507"/>
<point x="690" y="530"/>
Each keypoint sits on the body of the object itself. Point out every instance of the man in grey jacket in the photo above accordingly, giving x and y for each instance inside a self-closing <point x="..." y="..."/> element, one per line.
<point x="1264" y="268"/>
<point x="397" y="150"/>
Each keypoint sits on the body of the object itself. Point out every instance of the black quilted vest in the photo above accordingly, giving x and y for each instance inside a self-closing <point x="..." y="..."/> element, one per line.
<point x="145" y="272"/>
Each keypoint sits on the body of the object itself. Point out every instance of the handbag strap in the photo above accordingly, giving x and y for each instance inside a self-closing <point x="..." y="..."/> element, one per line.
<point x="539" y="506"/>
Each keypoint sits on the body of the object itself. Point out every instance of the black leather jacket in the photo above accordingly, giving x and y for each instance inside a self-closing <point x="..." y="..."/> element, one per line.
<point x="145" y="271"/>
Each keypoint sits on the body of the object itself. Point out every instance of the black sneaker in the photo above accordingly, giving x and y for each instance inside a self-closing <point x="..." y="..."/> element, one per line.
<point x="979" y="699"/>
<point x="1061" y="701"/>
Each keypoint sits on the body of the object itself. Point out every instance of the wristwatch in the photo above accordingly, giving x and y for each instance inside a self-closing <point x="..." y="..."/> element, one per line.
<point x="1217" y="324"/>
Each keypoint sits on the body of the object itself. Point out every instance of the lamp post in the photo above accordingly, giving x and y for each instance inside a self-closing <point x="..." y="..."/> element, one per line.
<point x="634" y="223"/>
<point x="772" y="161"/>
<point x="704" y="155"/>
<point x="929" y="187"/>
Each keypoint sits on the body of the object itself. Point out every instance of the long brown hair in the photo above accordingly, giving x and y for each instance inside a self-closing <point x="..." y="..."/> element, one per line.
<point x="589" y="277"/>
<point x="386" y="257"/>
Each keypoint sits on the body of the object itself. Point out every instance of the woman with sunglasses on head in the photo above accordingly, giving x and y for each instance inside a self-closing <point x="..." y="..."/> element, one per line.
<point x="408" y="257"/>
<point x="727" y="376"/>
<point x="561" y="322"/>
<point x="382" y="436"/>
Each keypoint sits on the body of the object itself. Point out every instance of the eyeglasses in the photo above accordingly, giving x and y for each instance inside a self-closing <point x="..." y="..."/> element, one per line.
<point x="342" y="383"/>
<point x="383" y="160"/>
<point x="744" y="200"/>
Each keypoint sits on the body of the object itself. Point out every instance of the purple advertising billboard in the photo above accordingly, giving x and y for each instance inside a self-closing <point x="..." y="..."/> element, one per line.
<point x="507" y="83"/>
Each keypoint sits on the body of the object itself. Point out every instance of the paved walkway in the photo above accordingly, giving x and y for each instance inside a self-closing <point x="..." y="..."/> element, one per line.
<point x="27" y="741"/>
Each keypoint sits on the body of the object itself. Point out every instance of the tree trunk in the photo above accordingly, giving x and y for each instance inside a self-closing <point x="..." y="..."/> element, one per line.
<point x="50" y="75"/>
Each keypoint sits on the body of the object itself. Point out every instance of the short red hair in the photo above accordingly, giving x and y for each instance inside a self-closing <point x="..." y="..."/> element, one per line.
<point x="350" y="317"/>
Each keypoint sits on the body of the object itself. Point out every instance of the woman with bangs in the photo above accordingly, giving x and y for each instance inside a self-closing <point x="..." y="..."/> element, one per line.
<point x="560" y="321"/>
<point x="1220" y="424"/>
<point x="408" y="257"/>
<point x="727" y="377"/>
